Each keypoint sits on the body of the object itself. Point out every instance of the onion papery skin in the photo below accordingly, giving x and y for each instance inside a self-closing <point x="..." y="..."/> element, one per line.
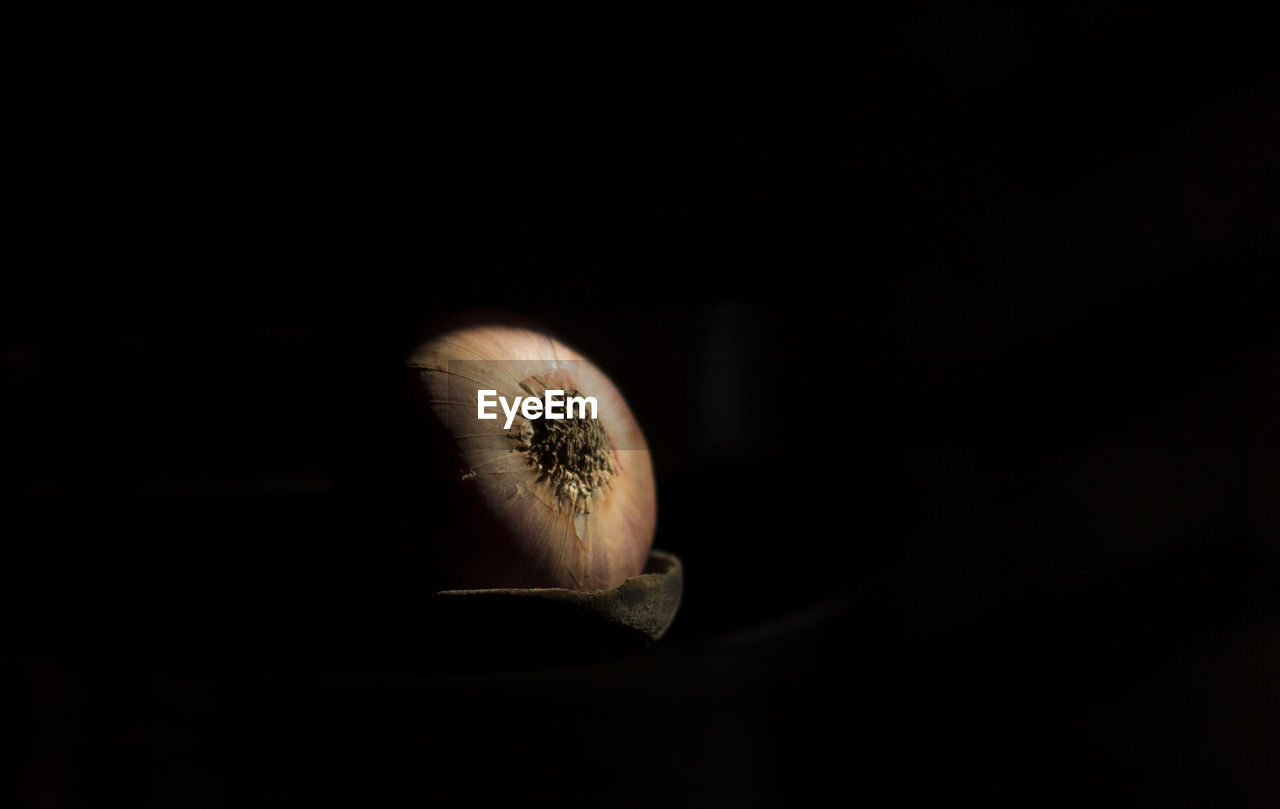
<point x="495" y="518"/>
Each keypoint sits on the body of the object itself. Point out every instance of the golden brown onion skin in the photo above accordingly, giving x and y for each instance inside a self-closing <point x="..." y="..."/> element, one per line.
<point x="497" y="518"/>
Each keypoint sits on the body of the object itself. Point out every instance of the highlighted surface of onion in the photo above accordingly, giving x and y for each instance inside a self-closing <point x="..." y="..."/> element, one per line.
<point x="544" y="503"/>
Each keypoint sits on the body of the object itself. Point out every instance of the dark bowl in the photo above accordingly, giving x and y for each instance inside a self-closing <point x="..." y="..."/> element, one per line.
<point x="522" y="627"/>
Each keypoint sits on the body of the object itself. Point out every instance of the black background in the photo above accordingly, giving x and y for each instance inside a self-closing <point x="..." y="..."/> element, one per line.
<point x="953" y="334"/>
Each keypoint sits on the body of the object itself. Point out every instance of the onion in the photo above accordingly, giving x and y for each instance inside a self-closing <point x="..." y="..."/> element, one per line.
<point x="543" y="503"/>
